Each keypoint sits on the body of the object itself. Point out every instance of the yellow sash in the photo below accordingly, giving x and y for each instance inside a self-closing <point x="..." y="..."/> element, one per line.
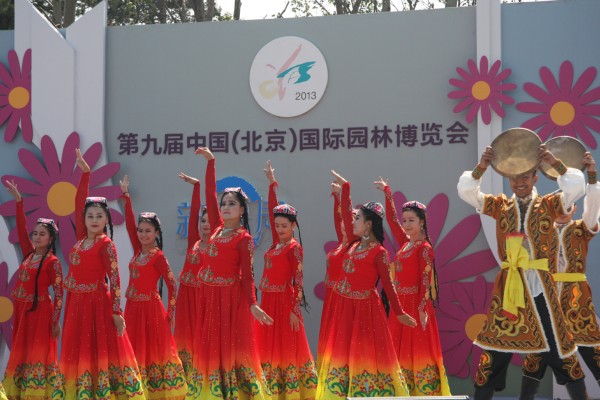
<point x="517" y="257"/>
<point x="569" y="277"/>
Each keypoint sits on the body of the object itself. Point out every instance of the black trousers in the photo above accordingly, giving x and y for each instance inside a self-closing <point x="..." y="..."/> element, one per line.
<point x="493" y="365"/>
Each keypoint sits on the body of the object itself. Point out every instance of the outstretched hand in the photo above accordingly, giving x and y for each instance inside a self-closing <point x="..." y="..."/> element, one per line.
<point x="11" y="186"/>
<point x="261" y="316"/>
<point x="189" y="179"/>
<point x="124" y="184"/>
<point x="206" y="153"/>
<point x="407" y="320"/>
<point x="83" y="166"/>
<point x="270" y="172"/>
<point x="338" y="179"/>
<point x="381" y="184"/>
<point x="486" y="157"/>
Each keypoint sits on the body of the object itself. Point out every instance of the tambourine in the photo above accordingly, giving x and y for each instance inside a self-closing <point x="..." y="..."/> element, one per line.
<point x="566" y="148"/>
<point x="516" y="151"/>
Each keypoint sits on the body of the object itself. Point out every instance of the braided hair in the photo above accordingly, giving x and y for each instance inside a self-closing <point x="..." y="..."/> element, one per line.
<point x="376" y="224"/>
<point x="294" y="219"/>
<point x="153" y="220"/>
<point x="51" y="249"/>
<point x="434" y="286"/>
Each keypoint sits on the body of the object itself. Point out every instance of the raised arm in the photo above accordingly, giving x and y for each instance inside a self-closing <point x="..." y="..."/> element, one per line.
<point x="194" y="218"/>
<point x="210" y="181"/>
<point x="347" y="209"/>
<point x="337" y="211"/>
<point x="469" y="183"/>
<point x="130" y="221"/>
<point x="273" y="202"/>
<point x="162" y="266"/>
<point x="390" y="213"/>
<point x="81" y="195"/>
<point x="591" y="201"/>
<point x="570" y="180"/>
<point x="24" y="240"/>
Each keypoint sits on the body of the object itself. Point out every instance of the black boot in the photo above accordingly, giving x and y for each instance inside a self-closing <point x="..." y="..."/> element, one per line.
<point x="576" y="390"/>
<point x="529" y="387"/>
<point x="483" y="393"/>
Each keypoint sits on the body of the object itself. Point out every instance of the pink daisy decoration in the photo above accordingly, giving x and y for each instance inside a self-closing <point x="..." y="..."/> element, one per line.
<point x="6" y="304"/>
<point x="51" y="193"/>
<point x="15" y="96"/>
<point x="564" y="109"/>
<point x="461" y="314"/>
<point x="481" y="90"/>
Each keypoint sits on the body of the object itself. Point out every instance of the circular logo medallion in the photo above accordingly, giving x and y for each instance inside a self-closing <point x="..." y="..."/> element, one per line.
<point x="288" y="76"/>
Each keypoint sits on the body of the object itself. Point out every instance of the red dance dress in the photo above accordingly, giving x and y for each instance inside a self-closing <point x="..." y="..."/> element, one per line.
<point x="334" y="260"/>
<point x="225" y="361"/>
<point x="418" y="349"/>
<point x="189" y="286"/>
<point x="148" y="324"/>
<point x="285" y="355"/>
<point x="95" y="361"/>
<point x="358" y="355"/>
<point x="33" y="363"/>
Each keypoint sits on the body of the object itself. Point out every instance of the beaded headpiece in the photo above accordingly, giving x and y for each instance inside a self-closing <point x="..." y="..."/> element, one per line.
<point x="237" y="190"/>
<point x="375" y="207"/>
<point x="203" y="210"/>
<point x="414" y="204"/>
<point x="150" y="215"/>
<point x="49" y="222"/>
<point x="285" y="209"/>
<point x="96" y="200"/>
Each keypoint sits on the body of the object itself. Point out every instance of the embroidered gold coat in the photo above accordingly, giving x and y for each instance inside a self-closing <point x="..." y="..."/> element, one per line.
<point x="576" y="297"/>
<point x="525" y="333"/>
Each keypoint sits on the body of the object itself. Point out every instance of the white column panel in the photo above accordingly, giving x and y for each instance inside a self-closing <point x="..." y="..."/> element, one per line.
<point x="52" y="86"/>
<point x="489" y="44"/>
<point x="87" y="36"/>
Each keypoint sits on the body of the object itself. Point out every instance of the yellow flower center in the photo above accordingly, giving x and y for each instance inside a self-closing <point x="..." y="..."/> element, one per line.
<point x="474" y="325"/>
<point x="6" y="309"/>
<point x="481" y="90"/>
<point x="562" y="113"/>
<point x="61" y="198"/>
<point x="18" y="97"/>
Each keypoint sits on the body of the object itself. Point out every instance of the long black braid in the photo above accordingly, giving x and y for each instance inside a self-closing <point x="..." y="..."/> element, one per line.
<point x="434" y="288"/>
<point x="51" y="249"/>
<point x="376" y="224"/>
<point x="292" y="218"/>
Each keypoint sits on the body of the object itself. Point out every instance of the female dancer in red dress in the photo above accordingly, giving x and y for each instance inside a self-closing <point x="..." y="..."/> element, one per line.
<point x="225" y="361"/>
<point x="285" y="356"/>
<point x="148" y="324"/>
<point x="189" y="284"/>
<point x="358" y="356"/>
<point x="97" y="359"/>
<point x="33" y="363"/>
<point x="334" y="261"/>
<point x="418" y="349"/>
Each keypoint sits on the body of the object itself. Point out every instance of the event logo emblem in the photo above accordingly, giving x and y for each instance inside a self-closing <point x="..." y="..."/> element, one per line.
<point x="288" y="76"/>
